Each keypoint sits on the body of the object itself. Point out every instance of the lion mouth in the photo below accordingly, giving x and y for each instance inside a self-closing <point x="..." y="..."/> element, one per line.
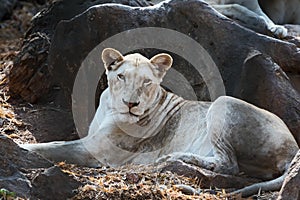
<point x="132" y="114"/>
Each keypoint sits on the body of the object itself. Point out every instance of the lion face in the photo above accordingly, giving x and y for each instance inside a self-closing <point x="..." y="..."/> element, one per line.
<point x="134" y="81"/>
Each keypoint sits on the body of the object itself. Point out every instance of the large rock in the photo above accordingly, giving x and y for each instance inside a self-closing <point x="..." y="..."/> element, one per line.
<point x="290" y="188"/>
<point x="13" y="161"/>
<point x="53" y="184"/>
<point x="26" y="173"/>
<point x="226" y="42"/>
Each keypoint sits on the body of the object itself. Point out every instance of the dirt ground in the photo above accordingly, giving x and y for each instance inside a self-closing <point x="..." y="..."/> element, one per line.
<point x="22" y="122"/>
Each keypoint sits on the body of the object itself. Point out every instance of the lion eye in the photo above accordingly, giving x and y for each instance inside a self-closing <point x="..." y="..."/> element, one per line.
<point x="147" y="82"/>
<point x="121" y="77"/>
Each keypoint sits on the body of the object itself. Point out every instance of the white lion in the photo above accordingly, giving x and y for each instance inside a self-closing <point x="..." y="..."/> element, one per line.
<point x="139" y="122"/>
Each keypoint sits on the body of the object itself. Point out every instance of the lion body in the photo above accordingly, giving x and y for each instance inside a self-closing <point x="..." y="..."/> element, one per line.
<point x="229" y="133"/>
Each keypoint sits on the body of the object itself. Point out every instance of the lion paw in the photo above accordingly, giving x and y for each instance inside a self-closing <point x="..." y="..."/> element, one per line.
<point x="189" y="159"/>
<point x="279" y="31"/>
<point x="165" y="158"/>
<point x="174" y="157"/>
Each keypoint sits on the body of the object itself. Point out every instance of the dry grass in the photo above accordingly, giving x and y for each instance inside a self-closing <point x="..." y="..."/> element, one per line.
<point x="136" y="182"/>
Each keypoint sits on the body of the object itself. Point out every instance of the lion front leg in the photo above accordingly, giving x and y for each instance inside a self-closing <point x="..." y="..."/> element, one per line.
<point x="67" y="151"/>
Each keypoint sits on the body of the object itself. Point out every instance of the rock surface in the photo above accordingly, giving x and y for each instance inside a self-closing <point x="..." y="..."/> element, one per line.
<point x="12" y="161"/>
<point x="53" y="184"/>
<point x="207" y="178"/>
<point x="290" y="188"/>
<point x="18" y="167"/>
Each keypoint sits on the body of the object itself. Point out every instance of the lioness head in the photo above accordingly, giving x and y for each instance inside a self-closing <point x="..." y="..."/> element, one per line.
<point x="134" y="81"/>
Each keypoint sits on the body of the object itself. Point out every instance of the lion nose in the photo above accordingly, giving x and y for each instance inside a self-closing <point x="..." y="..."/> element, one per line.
<point x="131" y="104"/>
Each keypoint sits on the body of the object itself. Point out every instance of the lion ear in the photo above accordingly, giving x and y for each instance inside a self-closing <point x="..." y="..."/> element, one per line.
<point x="109" y="57"/>
<point x="161" y="62"/>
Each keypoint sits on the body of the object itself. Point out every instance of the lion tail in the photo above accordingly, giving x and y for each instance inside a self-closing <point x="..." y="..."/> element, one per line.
<point x="271" y="185"/>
